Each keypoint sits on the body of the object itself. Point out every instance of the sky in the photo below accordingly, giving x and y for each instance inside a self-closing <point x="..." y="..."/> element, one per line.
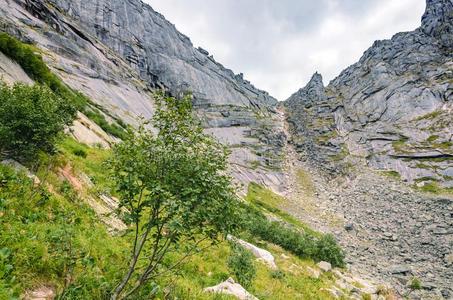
<point x="279" y="44"/>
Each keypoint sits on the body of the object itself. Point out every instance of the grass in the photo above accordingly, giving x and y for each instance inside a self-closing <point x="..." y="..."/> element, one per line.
<point x="429" y="116"/>
<point x="266" y="200"/>
<point x="53" y="240"/>
<point x="305" y="182"/>
<point x="51" y="237"/>
<point x="432" y="138"/>
<point x="210" y="268"/>
<point x="289" y="233"/>
<point x="400" y="145"/>
<point x="91" y="165"/>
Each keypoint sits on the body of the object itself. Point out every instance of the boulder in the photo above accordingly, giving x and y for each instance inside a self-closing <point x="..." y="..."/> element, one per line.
<point x="324" y="266"/>
<point x="230" y="287"/>
<point x="261" y="254"/>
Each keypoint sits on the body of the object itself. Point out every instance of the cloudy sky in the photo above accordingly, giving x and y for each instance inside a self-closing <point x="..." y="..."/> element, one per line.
<point x="279" y="44"/>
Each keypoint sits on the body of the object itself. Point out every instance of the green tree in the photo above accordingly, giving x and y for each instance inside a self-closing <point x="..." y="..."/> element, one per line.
<point x="31" y="117"/>
<point x="173" y="190"/>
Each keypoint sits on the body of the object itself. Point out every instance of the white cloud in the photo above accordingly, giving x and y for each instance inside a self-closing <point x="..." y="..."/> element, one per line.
<point x="278" y="45"/>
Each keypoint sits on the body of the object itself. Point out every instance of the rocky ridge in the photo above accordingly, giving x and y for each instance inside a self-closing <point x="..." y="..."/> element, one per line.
<point x="391" y="109"/>
<point x="383" y="121"/>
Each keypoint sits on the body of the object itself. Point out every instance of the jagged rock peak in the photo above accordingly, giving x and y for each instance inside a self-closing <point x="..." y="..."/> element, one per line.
<point x="313" y="92"/>
<point x="316" y="81"/>
<point x="437" y="20"/>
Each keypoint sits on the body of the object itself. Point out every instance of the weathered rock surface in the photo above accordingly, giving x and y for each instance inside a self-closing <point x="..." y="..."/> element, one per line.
<point x="11" y="72"/>
<point x="392" y="108"/>
<point x="117" y="52"/>
<point x="263" y="255"/>
<point x="229" y="287"/>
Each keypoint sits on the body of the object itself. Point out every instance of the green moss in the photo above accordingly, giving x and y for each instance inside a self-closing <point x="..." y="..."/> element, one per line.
<point x="415" y="284"/>
<point x="342" y="154"/>
<point x="423" y="166"/>
<point x="400" y="145"/>
<point x="432" y="138"/>
<point x="392" y="174"/>
<point x="431" y="187"/>
<point x="429" y="116"/>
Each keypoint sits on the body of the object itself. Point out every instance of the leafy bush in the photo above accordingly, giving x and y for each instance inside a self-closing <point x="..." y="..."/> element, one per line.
<point x="32" y="63"/>
<point x="80" y="152"/>
<point x="277" y="274"/>
<point x="301" y="243"/>
<point x="240" y="263"/>
<point x="31" y="117"/>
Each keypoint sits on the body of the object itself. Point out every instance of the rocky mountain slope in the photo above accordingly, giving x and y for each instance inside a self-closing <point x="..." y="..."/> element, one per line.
<point x="390" y="113"/>
<point x="116" y="52"/>
<point x="392" y="108"/>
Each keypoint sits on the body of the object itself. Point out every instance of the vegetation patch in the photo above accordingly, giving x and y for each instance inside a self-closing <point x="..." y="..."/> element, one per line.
<point x="432" y="138"/>
<point x="31" y="119"/>
<point x="400" y="145"/>
<point x="392" y="174"/>
<point x="300" y="241"/>
<point x="28" y="57"/>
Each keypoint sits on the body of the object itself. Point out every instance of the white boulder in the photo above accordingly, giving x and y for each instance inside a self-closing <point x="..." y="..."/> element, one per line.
<point x="261" y="254"/>
<point x="229" y="287"/>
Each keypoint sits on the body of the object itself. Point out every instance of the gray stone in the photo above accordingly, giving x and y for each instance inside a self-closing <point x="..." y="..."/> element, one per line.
<point x="324" y="266"/>
<point x="400" y="269"/>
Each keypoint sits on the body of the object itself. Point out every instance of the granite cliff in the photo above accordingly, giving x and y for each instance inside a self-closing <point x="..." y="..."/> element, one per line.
<point x="117" y="52"/>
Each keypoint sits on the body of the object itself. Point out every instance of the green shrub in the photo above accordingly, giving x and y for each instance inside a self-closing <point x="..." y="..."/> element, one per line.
<point x="32" y="63"/>
<point x="241" y="264"/>
<point x="80" y="152"/>
<point x="277" y="274"/>
<point x="31" y="118"/>
<point x="415" y="284"/>
<point x="304" y="244"/>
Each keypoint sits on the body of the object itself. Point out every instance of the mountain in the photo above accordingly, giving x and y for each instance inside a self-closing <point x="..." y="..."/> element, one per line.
<point x="367" y="158"/>
<point x="392" y="109"/>
<point x="383" y="125"/>
<point x="116" y="52"/>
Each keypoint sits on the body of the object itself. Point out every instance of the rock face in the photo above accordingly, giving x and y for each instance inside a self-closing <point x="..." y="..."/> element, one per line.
<point x="117" y="52"/>
<point x="392" y="108"/>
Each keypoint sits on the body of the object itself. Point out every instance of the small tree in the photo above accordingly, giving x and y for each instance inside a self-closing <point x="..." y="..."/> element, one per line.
<point x="174" y="188"/>
<point x="31" y="117"/>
